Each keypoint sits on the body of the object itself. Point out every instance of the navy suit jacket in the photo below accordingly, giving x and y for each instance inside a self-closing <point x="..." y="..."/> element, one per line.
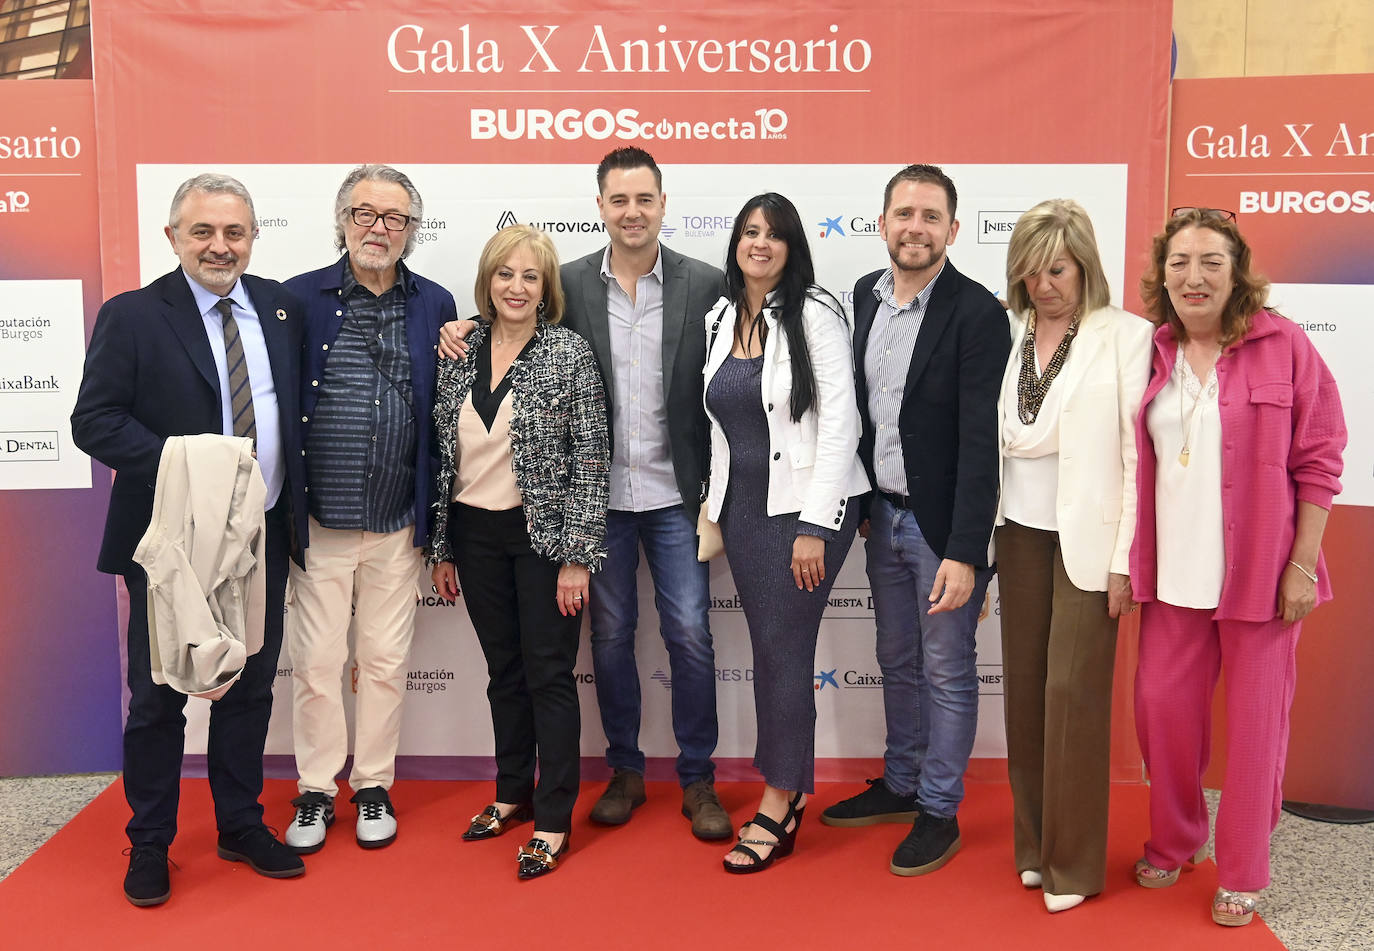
<point x="690" y="289"/>
<point x="428" y="307"/>
<point x="150" y="374"/>
<point x="948" y="420"/>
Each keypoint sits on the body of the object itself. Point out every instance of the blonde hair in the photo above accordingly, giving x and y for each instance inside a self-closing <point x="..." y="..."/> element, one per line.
<point x="501" y="246"/>
<point x="1049" y="229"/>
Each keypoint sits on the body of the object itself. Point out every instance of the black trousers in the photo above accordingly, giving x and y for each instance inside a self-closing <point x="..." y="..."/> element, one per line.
<point x="155" y="733"/>
<point x="531" y="648"/>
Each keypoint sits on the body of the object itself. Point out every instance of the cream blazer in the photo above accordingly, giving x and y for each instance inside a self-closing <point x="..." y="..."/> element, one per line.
<point x="1100" y="392"/>
<point x="813" y="463"/>
<point x="205" y="553"/>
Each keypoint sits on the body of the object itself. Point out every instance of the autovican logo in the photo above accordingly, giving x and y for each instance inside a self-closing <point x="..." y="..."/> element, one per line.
<point x="14" y="201"/>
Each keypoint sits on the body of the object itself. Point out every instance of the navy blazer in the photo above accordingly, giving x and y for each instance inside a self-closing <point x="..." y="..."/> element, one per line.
<point x="428" y="306"/>
<point x="948" y="420"/>
<point x="150" y="374"/>
<point x="690" y="288"/>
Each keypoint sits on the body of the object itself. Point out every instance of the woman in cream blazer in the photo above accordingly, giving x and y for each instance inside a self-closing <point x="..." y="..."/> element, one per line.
<point x="1066" y="515"/>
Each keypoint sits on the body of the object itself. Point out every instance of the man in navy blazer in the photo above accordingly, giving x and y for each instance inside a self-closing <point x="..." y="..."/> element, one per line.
<point x="367" y="398"/>
<point x="157" y="367"/>
<point x="930" y="346"/>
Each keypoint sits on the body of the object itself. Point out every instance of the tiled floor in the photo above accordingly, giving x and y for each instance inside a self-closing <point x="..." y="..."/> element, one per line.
<point x="1321" y="898"/>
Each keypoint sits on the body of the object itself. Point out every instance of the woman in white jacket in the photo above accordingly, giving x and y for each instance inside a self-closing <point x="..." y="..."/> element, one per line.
<point x="1066" y="516"/>
<point x="784" y="468"/>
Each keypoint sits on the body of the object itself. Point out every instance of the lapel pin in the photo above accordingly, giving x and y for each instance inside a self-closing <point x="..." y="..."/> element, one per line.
<point x="281" y="314"/>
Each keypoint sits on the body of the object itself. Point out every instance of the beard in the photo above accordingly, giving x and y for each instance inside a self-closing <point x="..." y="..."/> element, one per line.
<point x="217" y="275"/>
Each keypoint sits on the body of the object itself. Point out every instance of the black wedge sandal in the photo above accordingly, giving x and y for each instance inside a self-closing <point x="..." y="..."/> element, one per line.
<point x="783" y="845"/>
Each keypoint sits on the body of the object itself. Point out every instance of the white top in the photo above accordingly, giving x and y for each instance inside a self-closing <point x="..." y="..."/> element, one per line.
<point x="1030" y="464"/>
<point x="1188" y="521"/>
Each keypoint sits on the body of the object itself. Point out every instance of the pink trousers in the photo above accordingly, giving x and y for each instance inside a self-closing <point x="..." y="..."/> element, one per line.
<point x="1181" y="652"/>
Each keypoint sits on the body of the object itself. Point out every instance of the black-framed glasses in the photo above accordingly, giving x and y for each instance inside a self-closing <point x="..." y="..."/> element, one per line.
<point x="1221" y="213"/>
<point x="366" y="218"/>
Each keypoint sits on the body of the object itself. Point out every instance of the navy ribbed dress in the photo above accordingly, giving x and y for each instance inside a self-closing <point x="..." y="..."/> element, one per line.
<point x="783" y="621"/>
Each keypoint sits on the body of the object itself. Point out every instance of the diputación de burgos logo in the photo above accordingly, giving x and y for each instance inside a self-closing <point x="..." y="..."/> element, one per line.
<point x="625" y="124"/>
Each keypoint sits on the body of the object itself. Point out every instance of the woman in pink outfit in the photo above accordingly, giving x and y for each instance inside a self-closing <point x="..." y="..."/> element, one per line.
<point x="1240" y="436"/>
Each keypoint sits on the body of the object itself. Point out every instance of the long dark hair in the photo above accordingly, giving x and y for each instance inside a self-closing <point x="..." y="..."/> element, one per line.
<point x="797" y="283"/>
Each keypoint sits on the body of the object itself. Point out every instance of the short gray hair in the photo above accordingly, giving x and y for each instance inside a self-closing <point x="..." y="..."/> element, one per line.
<point x="376" y="173"/>
<point x="210" y="183"/>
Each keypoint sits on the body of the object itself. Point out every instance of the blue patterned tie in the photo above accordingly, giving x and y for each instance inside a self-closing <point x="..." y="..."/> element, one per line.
<point x="240" y="389"/>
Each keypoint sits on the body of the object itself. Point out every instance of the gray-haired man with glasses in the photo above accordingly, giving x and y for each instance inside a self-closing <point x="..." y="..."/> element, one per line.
<point x="367" y="382"/>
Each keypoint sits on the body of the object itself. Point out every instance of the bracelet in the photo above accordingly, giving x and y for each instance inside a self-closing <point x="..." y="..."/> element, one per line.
<point x="1309" y="575"/>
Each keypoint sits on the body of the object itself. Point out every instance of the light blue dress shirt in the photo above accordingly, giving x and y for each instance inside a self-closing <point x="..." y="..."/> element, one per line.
<point x="259" y="376"/>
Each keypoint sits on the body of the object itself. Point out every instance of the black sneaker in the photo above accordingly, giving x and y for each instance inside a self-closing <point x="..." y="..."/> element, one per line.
<point x="931" y="843"/>
<point x="147" y="881"/>
<point x="257" y="846"/>
<point x="875" y="804"/>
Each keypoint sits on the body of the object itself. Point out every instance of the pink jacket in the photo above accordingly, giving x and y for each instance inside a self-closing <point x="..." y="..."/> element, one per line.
<point x="1282" y="433"/>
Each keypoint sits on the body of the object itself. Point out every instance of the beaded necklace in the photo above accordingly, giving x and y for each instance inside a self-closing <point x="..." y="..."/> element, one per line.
<point x="1030" y="390"/>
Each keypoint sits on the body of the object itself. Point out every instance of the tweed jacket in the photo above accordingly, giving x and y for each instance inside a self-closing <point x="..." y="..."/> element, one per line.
<point x="559" y="440"/>
<point x="1282" y="435"/>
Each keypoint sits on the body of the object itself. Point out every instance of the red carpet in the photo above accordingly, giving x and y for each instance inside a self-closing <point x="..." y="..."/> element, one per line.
<point x="648" y="885"/>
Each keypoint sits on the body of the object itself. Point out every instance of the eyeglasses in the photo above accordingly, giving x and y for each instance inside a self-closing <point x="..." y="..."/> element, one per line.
<point x="1185" y="210"/>
<point x="366" y="218"/>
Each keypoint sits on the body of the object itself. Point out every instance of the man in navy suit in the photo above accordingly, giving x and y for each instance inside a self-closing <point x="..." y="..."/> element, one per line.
<point x="158" y="366"/>
<point x="930" y="346"/>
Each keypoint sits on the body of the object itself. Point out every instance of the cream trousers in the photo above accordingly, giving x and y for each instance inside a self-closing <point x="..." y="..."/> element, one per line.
<point x="372" y="577"/>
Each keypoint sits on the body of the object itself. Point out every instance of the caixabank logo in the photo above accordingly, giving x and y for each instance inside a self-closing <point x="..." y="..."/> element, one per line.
<point x="847" y="680"/>
<point x="848" y="226"/>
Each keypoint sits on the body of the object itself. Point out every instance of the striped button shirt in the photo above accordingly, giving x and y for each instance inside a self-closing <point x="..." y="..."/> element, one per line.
<point x="360" y="454"/>
<point x="891" y="343"/>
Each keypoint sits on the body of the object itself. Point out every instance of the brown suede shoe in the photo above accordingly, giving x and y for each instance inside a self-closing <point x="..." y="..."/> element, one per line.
<point x="623" y="794"/>
<point x="710" y="821"/>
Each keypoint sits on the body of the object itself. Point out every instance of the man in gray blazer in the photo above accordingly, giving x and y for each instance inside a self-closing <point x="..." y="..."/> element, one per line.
<point x="642" y="308"/>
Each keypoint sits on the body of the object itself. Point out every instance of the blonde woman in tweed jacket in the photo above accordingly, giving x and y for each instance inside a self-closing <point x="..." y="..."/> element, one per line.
<point x="523" y="484"/>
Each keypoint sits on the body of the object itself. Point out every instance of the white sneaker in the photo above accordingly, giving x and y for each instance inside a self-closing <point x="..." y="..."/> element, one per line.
<point x="314" y="814"/>
<point x="376" y="817"/>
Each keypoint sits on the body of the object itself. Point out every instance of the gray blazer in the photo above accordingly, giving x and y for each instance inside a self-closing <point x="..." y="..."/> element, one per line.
<point x="690" y="287"/>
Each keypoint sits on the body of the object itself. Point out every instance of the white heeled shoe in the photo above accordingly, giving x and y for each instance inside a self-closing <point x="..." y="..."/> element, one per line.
<point x="1062" y="902"/>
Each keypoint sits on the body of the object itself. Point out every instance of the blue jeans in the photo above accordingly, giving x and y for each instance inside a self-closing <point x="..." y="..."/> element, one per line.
<point x="682" y="594"/>
<point x="929" y="664"/>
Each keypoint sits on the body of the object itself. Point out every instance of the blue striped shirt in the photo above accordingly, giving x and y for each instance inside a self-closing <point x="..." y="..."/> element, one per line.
<point x="891" y="343"/>
<point x="360" y="454"/>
